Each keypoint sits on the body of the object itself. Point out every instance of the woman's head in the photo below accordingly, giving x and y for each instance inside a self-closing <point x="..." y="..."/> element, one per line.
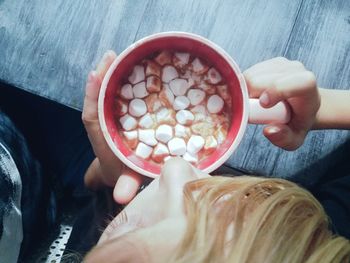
<point x="188" y="216"/>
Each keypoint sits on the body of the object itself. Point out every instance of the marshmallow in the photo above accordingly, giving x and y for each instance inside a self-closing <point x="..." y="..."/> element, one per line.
<point x="144" y="151"/>
<point x="199" y="109"/>
<point x="209" y="89"/>
<point x="220" y="134"/>
<point x="182" y="131"/>
<point x="152" y="69"/>
<point x="213" y="76"/>
<point x="210" y="145"/>
<point x="199" y="117"/>
<point x="153" y="103"/>
<point x="203" y="129"/>
<point x="146" y="121"/>
<point x="191" y="158"/>
<point x="153" y="84"/>
<point x="195" y="144"/>
<point x="163" y="58"/>
<point x="181" y="103"/>
<point x="184" y="117"/>
<point x="160" y="152"/>
<point x="169" y="73"/>
<point x="224" y="94"/>
<point x="121" y="107"/>
<point x="126" y="92"/>
<point x="166" y="96"/>
<point x="215" y="104"/>
<point x="164" y="133"/>
<point x="137" y="75"/>
<point x="137" y="107"/>
<point x="167" y="158"/>
<point x="196" y="96"/>
<point x="177" y="146"/>
<point x="198" y="66"/>
<point x="166" y="116"/>
<point x="131" y="138"/>
<point x="179" y="86"/>
<point x="140" y="90"/>
<point x="147" y="137"/>
<point x="128" y="122"/>
<point x="181" y="59"/>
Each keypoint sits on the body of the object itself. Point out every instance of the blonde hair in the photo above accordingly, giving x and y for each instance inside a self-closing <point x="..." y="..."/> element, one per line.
<point x="249" y="219"/>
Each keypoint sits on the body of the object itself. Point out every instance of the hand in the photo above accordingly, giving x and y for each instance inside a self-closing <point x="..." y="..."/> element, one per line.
<point x="280" y="79"/>
<point x="106" y="169"/>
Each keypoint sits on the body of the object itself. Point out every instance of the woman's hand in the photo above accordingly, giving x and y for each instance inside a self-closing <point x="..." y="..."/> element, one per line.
<point x="280" y="79"/>
<point x="106" y="169"/>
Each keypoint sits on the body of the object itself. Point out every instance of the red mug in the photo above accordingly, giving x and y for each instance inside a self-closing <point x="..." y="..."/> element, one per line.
<point x="243" y="108"/>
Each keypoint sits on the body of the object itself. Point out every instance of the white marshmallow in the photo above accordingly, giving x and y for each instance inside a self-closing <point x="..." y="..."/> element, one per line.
<point x="131" y="138"/>
<point x="140" y="90"/>
<point x="128" y="122"/>
<point x="169" y="73"/>
<point x="167" y="158"/>
<point x="166" y="96"/>
<point x="196" y="96"/>
<point x="204" y="128"/>
<point x="208" y="88"/>
<point x="177" y="146"/>
<point x="182" y="131"/>
<point x="166" y="116"/>
<point x="184" y="117"/>
<point x="137" y="75"/>
<point x="210" y="144"/>
<point x="214" y="76"/>
<point x="181" y="59"/>
<point x="164" y="133"/>
<point x="153" y="84"/>
<point x="126" y="92"/>
<point x="199" y="109"/>
<point x="146" y="121"/>
<point x="147" y="136"/>
<point x="153" y="103"/>
<point x="199" y="117"/>
<point x="160" y="152"/>
<point x="198" y="66"/>
<point x="179" y="86"/>
<point x="163" y="58"/>
<point x="195" y="144"/>
<point x="121" y="107"/>
<point x="144" y="151"/>
<point x="152" y="68"/>
<point x="215" y="104"/>
<point x="137" y="107"/>
<point x="224" y="94"/>
<point x="181" y="103"/>
<point x="191" y="158"/>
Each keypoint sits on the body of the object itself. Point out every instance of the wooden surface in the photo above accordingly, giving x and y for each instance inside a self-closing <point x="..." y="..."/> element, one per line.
<point x="48" y="46"/>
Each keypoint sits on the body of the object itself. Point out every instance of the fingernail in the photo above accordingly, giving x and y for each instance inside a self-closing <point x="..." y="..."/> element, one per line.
<point x="91" y="76"/>
<point x="264" y="99"/>
<point x="274" y="130"/>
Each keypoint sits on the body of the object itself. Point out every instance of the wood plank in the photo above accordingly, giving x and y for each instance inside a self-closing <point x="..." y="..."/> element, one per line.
<point x="320" y="39"/>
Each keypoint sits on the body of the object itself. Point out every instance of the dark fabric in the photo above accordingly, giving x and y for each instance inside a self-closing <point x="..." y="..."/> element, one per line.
<point x="54" y="136"/>
<point x="36" y="199"/>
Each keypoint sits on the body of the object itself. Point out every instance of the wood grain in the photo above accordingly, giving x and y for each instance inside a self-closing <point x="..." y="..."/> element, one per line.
<point x="47" y="47"/>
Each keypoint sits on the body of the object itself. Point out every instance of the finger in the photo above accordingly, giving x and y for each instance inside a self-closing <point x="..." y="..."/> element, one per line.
<point x="284" y="137"/>
<point x="105" y="63"/>
<point x="92" y="90"/>
<point x="274" y="65"/>
<point x="127" y="186"/>
<point x="293" y="85"/>
<point x="259" y="83"/>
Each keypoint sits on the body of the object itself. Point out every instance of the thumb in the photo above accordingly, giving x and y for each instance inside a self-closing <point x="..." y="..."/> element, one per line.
<point x="127" y="186"/>
<point x="283" y="136"/>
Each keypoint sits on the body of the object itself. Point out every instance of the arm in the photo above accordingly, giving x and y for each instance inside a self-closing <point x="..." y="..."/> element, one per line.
<point x="334" y="112"/>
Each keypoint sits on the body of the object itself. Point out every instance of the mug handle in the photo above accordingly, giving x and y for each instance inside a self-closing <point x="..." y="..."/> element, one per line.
<point x="280" y="113"/>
